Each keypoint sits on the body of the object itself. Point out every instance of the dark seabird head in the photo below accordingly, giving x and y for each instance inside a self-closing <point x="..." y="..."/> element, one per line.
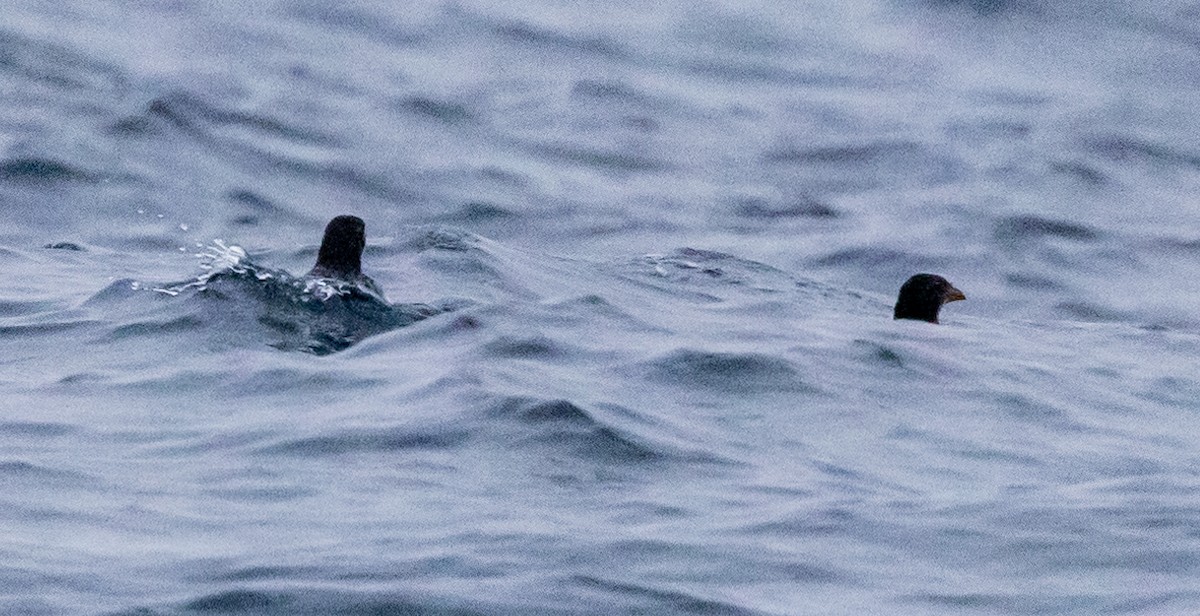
<point x="342" y="248"/>
<point x="922" y="297"/>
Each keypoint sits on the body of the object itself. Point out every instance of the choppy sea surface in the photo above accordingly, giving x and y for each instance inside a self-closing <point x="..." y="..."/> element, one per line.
<point x="637" y="354"/>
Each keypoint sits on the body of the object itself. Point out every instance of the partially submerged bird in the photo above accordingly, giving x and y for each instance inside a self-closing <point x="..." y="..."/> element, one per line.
<point x="340" y="257"/>
<point x="922" y="297"/>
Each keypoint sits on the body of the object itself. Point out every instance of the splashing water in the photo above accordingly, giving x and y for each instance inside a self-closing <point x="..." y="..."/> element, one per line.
<point x="217" y="258"/>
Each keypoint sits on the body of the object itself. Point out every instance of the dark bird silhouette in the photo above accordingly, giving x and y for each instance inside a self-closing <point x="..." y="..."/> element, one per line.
<point x="341" y="251"/>
<point x="922" y="297"/>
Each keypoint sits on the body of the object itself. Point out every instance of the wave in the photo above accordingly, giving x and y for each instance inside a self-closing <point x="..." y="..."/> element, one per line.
<point x="638" y="597"/>
<point x="730" y="372"/>
<point x="43" y="171"/>
<point x="560" y="423"/>
<point x="602" y="432"/>
<point x="57" y="66"/>
<point x="368" y="440"/>
<point x="287" y="601"/>
<point x="242" y="302"/>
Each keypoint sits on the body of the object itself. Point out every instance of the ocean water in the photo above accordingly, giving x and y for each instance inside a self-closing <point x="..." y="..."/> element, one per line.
<point x="637" y="354"/>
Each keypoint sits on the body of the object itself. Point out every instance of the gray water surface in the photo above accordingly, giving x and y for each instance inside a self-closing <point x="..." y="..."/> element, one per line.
<point x="639" y="357"/>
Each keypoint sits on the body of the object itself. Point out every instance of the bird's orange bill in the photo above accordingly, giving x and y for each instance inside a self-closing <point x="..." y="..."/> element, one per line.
<point x="953" y="295"/>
